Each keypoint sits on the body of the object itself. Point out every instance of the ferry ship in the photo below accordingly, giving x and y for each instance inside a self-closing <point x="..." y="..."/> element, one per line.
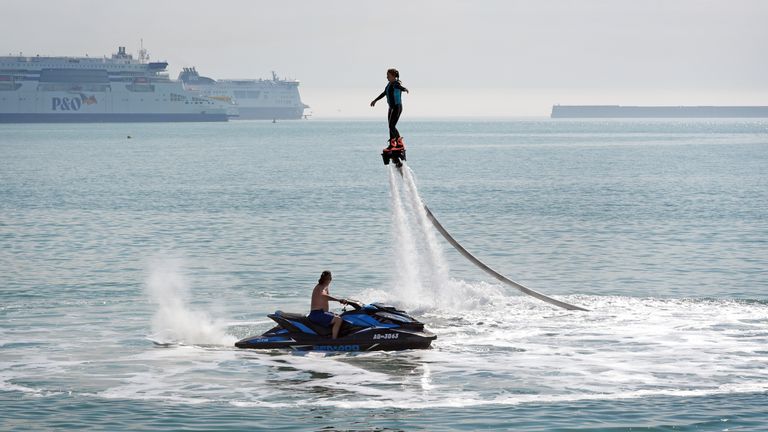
<point x="89" y="89"/>
<point x="250" y="99"/>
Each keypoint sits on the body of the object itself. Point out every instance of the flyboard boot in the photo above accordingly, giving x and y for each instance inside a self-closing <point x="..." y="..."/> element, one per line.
<point x="394" y="152"/>
<point x="386" y="154"/>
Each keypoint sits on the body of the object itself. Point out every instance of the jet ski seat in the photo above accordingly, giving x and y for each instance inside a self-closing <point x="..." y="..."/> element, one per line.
<point x="291" y="315"/>
<point x="303" y="319"/>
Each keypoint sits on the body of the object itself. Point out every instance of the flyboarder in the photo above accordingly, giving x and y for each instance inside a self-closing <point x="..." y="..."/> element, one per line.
<point x="393" y="91"/>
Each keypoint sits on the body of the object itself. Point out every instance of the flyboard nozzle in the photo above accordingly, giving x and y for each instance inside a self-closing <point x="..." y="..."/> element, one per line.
<point x="396" y="156"/>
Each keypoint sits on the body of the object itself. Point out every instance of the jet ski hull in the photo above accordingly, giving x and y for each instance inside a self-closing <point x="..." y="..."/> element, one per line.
<point x="367" y="328"/>
<point x="371" y="341"/>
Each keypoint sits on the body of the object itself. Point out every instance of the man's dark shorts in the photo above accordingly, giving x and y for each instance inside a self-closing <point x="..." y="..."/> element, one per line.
<point x="321" y="317"/>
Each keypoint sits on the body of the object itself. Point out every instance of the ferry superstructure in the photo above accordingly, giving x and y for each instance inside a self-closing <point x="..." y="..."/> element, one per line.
<point x="250" y="99"/>
<point x="120" y="88"/>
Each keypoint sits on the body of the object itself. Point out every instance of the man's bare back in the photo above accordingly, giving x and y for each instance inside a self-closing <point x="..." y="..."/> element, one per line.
<point x="320" y="297"/>
<point x="319" y="312"/>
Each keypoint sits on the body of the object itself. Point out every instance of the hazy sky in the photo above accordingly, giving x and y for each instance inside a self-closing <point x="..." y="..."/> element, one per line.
<point x="459" y="58"/>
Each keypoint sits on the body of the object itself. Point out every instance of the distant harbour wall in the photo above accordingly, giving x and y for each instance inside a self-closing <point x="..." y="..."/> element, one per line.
<point x="617" y="111"/>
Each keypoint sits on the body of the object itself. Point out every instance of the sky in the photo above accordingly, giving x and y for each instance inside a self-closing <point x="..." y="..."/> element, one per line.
<point x="497" y="58"/>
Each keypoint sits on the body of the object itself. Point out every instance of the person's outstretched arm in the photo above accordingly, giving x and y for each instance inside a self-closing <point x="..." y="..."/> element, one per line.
<point x="332" y="298"/>
<point x="384" y="93"/>
<point x="400" y="86"/>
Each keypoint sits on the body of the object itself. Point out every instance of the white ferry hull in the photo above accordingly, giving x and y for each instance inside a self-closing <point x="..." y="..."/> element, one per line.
<point x="109" y="118"/>
<point x="257" y="113"/>
<point x="250" y="99"/>
<point x="94" y="90"/>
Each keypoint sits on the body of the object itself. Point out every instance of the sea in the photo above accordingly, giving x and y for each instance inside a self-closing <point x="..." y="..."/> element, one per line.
<point x="133" y="256"/>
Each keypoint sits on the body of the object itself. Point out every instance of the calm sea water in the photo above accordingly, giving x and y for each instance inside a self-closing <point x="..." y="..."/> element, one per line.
<point x="192" y="233"/>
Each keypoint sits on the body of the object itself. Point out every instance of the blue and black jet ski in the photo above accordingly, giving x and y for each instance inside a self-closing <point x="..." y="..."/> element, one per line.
<point x="371" y="327"/>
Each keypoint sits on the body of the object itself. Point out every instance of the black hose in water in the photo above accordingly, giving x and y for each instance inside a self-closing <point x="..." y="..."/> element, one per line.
<point x="488" y="269"/>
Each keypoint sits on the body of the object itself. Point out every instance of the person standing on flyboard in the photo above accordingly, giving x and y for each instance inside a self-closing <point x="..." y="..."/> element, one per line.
<point x="393" y="92"/>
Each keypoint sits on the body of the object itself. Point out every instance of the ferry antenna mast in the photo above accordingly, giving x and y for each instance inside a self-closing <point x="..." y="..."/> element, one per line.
<point x="143" y="56"/>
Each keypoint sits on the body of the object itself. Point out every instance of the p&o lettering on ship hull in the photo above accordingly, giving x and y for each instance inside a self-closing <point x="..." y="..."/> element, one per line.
<point x="66" y="104"/>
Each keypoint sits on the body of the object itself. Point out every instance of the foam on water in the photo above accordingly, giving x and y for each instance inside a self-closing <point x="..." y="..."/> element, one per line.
<point x="174" y="320"/>
<point x="516" y="351"/>
<point x="504" y="349"/>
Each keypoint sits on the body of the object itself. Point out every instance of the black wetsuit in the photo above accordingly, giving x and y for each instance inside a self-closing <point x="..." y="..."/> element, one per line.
<point x="393" y="92"/>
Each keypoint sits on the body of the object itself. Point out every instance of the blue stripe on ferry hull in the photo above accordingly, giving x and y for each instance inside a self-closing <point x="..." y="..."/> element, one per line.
<point x="108" y="118"/>
<point x="269" y="113"/>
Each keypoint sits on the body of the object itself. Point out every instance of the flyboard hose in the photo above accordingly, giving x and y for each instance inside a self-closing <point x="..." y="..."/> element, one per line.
<point x="489" y="270"/>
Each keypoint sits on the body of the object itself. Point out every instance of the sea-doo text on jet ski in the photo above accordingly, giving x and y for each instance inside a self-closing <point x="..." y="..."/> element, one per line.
<point x="371" y="327"/>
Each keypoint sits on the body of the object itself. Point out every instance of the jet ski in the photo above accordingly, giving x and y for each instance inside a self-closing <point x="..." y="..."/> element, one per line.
<point x="366" y="327"/>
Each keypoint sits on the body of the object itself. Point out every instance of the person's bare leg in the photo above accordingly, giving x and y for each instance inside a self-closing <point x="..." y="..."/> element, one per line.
<point x="336" y="326"/>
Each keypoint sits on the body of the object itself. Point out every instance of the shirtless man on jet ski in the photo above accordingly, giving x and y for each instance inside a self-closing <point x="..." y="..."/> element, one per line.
<point x="367" y="327"/>
<point x="319" y="311"/>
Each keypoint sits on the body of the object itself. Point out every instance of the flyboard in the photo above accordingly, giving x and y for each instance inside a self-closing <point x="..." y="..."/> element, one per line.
<point x="397" y="157"/>
<point x="394" y="153"/>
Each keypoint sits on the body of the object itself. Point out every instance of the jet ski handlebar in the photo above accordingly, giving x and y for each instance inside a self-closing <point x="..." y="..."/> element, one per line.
<point x="354" y="303"/>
